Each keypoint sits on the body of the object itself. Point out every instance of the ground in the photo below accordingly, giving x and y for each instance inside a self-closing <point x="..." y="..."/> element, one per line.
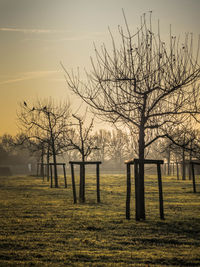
<point x="40" y="226"/>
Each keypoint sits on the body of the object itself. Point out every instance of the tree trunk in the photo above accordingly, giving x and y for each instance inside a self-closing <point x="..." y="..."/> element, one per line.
<point x="189" y="169"/>
<point x="183" y="164"/>
<point x="168" y="163"/>
<point x="141" y="213"/>
<point x="48" y="163"/>
<point x="82" y="181"/>
<point x="42" y="164"/>
<point x="54" y="163"/>
<point x="177" y="170"/>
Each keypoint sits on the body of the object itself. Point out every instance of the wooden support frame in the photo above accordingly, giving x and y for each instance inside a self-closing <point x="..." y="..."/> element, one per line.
<point x="136" y="162"/>
<point x="192" y="164"/>
<point x="82" y="179"/>
<point x="41" y="169"/>
<point x="51" y="174"/>
<point x="50" y="165"/>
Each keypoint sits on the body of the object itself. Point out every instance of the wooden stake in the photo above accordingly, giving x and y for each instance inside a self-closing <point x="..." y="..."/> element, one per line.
<point x="81" y="198"/>
<point x="51" y="185"/>
<point x="193" y="178"/>
<point x="160" y="192"/>
<point x="177" y="170"/>
<point x="65" y="178"/>
<point x="137" y="192"/>
<point x="83" y="170"/>
<point x="98" y="184"/>
<point x="37" y="169"/>
<point x="73" y="183"/>
<point x="128" y="190"/>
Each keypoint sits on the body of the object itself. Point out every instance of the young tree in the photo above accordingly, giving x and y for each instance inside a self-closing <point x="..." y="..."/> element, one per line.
<point x="13" y="154"/>
<point x="118" y="146"/>
<point x="47" y="123"/>
<point x="81" y="138"/>
<point x="35" y="147"/>
<point x="102" y="140"/>
<point x="182" y="143"/>
<point x="146" y="83"/>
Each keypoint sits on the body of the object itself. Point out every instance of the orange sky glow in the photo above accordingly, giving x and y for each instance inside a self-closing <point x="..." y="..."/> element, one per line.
<point x="37" y="35"/>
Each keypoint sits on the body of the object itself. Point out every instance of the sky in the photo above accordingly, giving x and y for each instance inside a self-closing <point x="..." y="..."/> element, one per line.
<point x="35" y="36"/>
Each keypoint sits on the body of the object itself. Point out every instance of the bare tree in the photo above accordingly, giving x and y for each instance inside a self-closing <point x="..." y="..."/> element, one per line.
<point x="46" y="123"/>
<point x="35" y="146"/>
<point x="81" y="138"/>
<point x="118" y="146"/>
<point x="13" y="154"/>
<point x="102" y="140"/>
<point x="145" y="82"/>
<point x="182" y="143"/>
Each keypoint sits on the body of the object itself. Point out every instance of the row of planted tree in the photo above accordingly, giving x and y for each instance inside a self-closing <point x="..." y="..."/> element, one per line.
<point x="146" y="84"/>
<point x="49" y="130"/>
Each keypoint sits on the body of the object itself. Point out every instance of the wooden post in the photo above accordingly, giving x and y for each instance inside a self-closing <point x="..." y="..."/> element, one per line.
<point x="83" y="171"/>
<point x="47" y="172"/>
<point x="177" y="170"/>
<point x="137" y="192"/>
<point x="189" y="171"/>
<point x="43" y="174"/>
<point x="73" y="183"/>
<point x="98" y="184"/>
<point x="81" y="184"/>
<point x="173" y="168"/>
<point x="37" y="169"/>
<point x="65" y="178"/>
<point x="183" y="164"/>
<point x="128" y="190"/>
<point x="51" y="185"/>
<point x="193" y="177"/>
<point x="160" y="192"/>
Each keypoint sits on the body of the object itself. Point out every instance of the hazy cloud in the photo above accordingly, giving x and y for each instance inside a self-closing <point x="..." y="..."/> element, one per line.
<point x="24" y="30"/>
<point x="29" y="76"/>
<point x="77" y="37"/>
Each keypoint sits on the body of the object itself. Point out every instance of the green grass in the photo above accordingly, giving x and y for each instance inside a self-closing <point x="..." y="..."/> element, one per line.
<point x="40" y="226"/>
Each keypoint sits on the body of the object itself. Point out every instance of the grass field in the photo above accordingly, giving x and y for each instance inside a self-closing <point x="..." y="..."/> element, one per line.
<point x="40" y="226"/>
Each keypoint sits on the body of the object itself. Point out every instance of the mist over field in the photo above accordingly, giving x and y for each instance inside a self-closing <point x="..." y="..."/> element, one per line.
<point x="99" y="136"/>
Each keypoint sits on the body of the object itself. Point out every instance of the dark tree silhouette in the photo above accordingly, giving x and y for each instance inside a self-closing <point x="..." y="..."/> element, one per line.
<point x="145" y="82"/>
<point x="102" y="140"/>
<point x="47" y="123"/>
<point x="80" y="137"/>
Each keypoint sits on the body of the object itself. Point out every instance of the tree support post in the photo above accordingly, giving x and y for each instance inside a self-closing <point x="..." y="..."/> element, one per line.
<point x="177" y="170"/>
<point x="65" y="177"/>
<point x="82" y="178"/>
<point x="83" y="172"/>
<point x="81" y="185"/>
<point x="160" y="192"/>
<point x="37" y="169"/>
<point x="193" y="177"/>
<point x="192" y="163"/>
<point x="42" y="166"/>
<point x="137" y="192"/>
<point x="73" y="183"/>
<point x="98" y="183"/>
<point x="128" y="190"/>
<point x="139" y="202"/>
<point x="51" y="185"/>
<point x="140" y="189"/>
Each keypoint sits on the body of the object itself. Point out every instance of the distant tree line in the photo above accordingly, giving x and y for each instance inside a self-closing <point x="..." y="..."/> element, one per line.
<point x="50" y="131"/>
